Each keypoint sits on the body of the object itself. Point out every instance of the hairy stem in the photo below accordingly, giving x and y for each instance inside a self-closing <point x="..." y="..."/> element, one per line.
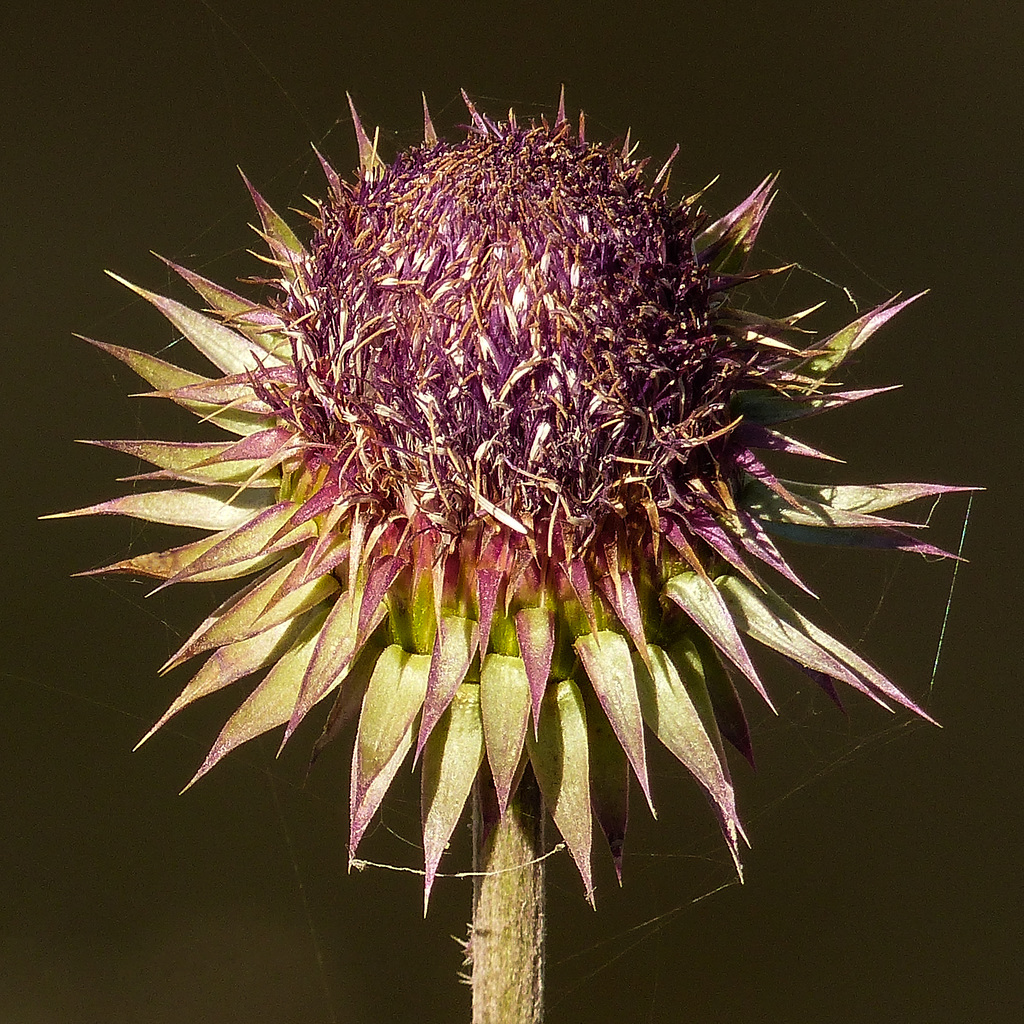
<point x="506" y="942"/>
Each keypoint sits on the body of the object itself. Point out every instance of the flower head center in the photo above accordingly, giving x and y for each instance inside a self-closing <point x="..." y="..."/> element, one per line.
<point x="514" y="322"/>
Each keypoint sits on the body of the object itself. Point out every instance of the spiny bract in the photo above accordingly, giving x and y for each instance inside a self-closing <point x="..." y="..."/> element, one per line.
<point x="497" y="479"/>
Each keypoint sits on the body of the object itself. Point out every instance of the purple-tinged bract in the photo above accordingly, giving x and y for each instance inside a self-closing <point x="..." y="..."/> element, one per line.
<point x="497" y="479"/>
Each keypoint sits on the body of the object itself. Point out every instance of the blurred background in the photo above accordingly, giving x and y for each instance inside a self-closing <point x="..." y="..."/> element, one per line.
<point x="883" y="882"/>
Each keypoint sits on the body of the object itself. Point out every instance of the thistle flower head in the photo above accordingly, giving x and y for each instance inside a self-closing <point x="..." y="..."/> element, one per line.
<point x="497" y="484"/>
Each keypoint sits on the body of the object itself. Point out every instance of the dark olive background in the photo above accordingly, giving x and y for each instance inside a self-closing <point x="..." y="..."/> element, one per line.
<point x="883" y="883"/>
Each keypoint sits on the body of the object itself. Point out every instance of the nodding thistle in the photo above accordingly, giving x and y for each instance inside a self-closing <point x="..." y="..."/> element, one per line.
<point x="497" y="482"/>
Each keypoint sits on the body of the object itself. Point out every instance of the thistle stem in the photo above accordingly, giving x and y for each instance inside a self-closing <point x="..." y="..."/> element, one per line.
<point x="506" y="943"/>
